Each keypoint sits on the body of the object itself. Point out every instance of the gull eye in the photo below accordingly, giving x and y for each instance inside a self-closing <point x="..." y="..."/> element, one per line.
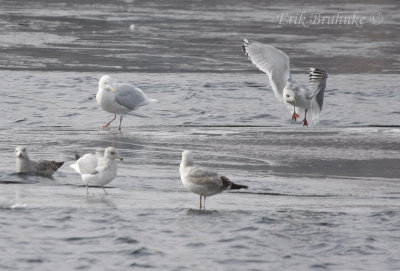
<point x="112" y="153"/>
<point x="287" y="95"/>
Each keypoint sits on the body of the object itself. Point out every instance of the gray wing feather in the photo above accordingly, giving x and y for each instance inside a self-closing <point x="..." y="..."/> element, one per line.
<point x="272" y="61"/>
<point x="44" y="167"/>
<point x="202" y="176"/>
<point x="130" y="97"/>
<point x="317" y="85"/>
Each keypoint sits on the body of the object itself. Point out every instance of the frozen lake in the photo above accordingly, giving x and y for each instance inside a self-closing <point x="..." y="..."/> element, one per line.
<point x="319" y="198"/>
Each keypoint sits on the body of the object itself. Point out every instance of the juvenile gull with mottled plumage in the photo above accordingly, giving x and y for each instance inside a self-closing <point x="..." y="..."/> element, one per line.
<point x="42" y="167"/>
<point x="203" y="182"/>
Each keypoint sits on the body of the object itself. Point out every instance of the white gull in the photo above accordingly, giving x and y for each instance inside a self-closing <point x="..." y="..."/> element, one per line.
<point x="96" y="169"/>
<point x="119" y="98"/>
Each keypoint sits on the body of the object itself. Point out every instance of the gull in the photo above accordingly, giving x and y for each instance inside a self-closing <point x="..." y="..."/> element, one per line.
<point x="203" y="182"/>
<point x="42" y="167"/>
<point x="96" y="169"/>
<point x="119" y="98"/>
<point x="276" y="65"/>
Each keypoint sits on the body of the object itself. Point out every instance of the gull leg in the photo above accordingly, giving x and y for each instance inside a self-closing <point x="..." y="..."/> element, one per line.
<point x="120" y="121"/>
<point x="108" y="123"/>
<point x="204" y="203"/>
<point x="200" y="202"/>
<point x="305" y="123"/>
<point x="295" y="115"/>
<point x="104" y="191"/>
<point x="87" y="190"/>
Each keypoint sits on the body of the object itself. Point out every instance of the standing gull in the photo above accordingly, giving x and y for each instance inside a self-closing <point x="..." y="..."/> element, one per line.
<point x="96" y="169"/>
<point x="42" y="167"/>
<point x="275" y="63"/>
<point x="202" y="181"/>
<point x="119" y="98"/>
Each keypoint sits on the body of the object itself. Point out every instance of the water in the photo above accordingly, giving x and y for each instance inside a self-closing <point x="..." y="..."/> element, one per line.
<point x="320" y="198"/>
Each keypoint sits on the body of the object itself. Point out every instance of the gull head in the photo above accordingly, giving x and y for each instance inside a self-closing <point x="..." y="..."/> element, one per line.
<point x="112" y="154"/>
<point x="21" y="152"/>
<point x="187" y="158"/>
<point x="106" y="83"/>
<point x="290" y="93"/>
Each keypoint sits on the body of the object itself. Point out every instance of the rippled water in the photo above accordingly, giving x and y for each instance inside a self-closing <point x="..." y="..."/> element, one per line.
<point x="319" y="198"/>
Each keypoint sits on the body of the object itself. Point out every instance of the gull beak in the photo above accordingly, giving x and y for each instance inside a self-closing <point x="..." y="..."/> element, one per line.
<point x="113" y="89"/>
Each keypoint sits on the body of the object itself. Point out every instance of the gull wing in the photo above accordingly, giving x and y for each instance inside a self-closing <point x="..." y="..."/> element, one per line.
<point x="317" y="85"/>
<point x="88" y="164"/>
<point x="45" y="167"/>
<point x="315" y="92"/>
<point x="272" y="61"/>
<point x="201" y="176"/>
<point x="130" y="97"/>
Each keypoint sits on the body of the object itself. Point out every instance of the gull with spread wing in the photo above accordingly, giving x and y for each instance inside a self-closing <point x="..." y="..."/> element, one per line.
<point x="275" y="63"/>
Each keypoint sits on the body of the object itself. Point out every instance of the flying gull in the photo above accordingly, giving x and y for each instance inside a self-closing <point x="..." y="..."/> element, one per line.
<point x="202" y="181"/>
<point x="275" y="63"/>
<point x="42" y="167"/>
<point x="119" y="98"/>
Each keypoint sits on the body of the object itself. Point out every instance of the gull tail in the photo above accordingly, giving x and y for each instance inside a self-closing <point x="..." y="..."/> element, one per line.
<point x="238" y="186"/>
<point x="227" y="184"/>
<point x="58" y="164"/>
<point x="246" y="44"/>
<point x="146" y="102"/>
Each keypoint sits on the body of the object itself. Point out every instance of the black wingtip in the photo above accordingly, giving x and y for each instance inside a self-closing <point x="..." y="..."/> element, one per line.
<point x="238" y="186"/>
<point x="316" y="75"/>
<point x="245" y="44"/>
<point x="59" y="164"/>
<point x="318" y="71"/>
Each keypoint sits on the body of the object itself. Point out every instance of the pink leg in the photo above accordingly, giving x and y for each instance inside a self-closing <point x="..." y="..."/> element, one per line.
<point x="87" y="190"/>
<point x="305" y="123"/>
<point x="295" y="115"/>
<point x="120" y="121"/>
<point x="200" y="202"/>
<point x="204" y="203"/>
<point x="108" y="123"/>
